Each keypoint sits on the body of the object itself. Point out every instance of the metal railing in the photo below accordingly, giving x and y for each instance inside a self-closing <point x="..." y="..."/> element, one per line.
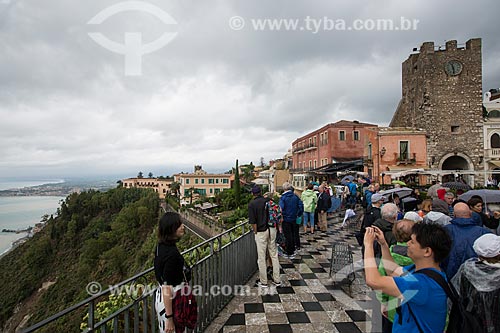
<point x="228" y="259"/>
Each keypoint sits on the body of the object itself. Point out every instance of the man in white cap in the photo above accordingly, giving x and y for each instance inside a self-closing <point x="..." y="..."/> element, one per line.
<point x="478" y="282"/>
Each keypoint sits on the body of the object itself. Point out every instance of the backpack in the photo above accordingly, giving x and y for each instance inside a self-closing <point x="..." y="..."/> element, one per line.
<point x="274" y="216"/>
<point x="460" y="320"/>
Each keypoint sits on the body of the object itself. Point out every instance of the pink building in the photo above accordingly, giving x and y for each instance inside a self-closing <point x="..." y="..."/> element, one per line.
<point x="394" y="152"/>
<point x="336" y="142"/>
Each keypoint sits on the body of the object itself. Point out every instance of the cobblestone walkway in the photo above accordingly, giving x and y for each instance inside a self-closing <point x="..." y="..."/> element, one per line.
<point x="308" y="300"/>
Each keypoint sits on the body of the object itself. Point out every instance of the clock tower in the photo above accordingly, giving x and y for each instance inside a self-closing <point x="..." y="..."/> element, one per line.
<point x="442" y="93"/>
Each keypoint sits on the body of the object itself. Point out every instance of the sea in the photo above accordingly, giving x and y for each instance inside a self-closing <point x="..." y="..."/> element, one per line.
<point x="21" y="212"/>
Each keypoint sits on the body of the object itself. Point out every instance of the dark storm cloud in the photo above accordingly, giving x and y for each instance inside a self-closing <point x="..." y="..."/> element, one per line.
<point x="213" y="94"/>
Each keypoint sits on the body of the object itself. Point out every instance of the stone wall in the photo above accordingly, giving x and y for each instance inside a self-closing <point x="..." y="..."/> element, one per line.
<point x="448" y="107"/>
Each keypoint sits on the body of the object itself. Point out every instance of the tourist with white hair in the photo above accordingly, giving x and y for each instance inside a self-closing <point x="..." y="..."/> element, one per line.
<point x="389" y="214"/>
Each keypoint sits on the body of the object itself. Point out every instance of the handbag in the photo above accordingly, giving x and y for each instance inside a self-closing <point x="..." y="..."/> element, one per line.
<point x="184" y="305"/>
<point x="184" y="308"/>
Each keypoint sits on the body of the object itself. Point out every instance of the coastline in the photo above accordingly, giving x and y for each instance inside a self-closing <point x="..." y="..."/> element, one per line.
<point x="13" y="240"/>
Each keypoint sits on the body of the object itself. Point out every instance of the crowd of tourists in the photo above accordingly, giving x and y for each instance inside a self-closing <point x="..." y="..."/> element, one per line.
<point x="435" y="264"/>
<point x="418" y="254"/>
<point x="444" y="248"/>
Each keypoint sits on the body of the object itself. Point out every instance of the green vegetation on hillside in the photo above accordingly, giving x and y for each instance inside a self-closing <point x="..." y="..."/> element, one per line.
<point x="103" y="237"/>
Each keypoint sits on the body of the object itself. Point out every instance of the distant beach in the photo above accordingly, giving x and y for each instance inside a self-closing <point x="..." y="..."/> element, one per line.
<point x="17" y="213"/>
<point x="7" y="184"/>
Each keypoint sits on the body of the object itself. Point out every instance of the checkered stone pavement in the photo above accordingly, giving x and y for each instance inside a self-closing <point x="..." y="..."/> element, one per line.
<point x="308" y="300"/>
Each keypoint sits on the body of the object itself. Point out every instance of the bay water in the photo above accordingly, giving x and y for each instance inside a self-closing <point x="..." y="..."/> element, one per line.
<point x="21" y="212"/>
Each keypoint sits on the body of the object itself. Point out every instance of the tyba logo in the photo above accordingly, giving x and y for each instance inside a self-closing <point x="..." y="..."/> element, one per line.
<point x="133" y="49"/>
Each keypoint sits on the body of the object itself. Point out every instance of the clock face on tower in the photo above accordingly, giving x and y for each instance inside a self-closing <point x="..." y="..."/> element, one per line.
<point x="453" y="67"/>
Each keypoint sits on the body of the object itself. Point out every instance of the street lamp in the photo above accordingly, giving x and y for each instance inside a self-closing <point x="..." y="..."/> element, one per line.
<point x="383" y="151"/>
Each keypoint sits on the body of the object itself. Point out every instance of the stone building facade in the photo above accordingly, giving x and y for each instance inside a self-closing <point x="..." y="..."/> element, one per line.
<point x="491" y="133"/>
<point x="442" y="94"/>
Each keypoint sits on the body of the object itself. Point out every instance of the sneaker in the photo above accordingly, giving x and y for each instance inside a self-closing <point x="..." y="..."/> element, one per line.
<point x="291" y="257"/>
<point x="260" y="284"/>
<point x="277" y="284"/>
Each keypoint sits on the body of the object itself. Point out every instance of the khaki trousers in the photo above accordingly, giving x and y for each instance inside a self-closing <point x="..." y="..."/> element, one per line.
<point x="323" y="223"/>
<point x="266" y="242"/>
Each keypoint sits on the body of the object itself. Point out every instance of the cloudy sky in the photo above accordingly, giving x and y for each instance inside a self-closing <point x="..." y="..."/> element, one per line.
<point x="217" y="89"/>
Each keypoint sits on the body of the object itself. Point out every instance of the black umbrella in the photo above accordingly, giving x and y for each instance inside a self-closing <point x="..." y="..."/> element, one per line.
<point x="457" y="186"/>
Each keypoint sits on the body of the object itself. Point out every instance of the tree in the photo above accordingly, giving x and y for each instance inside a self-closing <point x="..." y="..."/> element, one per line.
<point x="150" y="175"/>
<point x="237" y="184"/>
<point x="247" y="174"/>
<point x="139" y="175"/>
<point x="175" y="187"/>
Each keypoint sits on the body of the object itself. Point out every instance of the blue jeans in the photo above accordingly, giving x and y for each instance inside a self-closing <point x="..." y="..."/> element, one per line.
<point x="308" y="218"/>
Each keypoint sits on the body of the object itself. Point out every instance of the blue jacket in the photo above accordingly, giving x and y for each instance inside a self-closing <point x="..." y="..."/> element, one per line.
<point x="291" y="207"/>
<point x="368" y="197"/>
<point x="463" y="233"/>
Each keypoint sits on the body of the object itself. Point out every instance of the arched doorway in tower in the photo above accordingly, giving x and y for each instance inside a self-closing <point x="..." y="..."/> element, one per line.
<point x="455" y="163"/>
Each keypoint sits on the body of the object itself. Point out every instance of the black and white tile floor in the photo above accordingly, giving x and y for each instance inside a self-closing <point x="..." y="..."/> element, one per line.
<point x="308" y="300"/>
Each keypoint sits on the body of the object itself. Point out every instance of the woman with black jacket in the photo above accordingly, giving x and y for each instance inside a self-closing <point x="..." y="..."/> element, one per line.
<point x="476" y="205"/>
<point x="170" y="269"/>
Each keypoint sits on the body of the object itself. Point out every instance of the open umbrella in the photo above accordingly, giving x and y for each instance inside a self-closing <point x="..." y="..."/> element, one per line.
<point x="432" y="191"/>
<point x="457" y="186"/>
<point x="400" y="182"/>
<point x="344" y="180"/>
<point x="488" y="196"/>
<point x="350" y="177"/>
<point x="402" y="192"/>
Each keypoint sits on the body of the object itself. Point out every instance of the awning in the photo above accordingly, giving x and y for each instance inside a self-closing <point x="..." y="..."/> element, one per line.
<point x="336" y="167"/>
<point x="260" y="181"/>
<point x="495" y="163"/>
<point x="401" y="172"/>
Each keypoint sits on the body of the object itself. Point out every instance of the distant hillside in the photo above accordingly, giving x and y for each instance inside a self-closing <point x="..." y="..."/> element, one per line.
<point x="105" y="237"/>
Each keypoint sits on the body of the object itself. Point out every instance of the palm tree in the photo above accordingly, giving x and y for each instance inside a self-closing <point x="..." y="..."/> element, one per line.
<point x="150" y="174"/>
<point x="175" y="187"/>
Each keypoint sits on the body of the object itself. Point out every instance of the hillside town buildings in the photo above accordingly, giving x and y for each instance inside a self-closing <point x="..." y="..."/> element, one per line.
<point x="201" y="183"/>
<point x="159" y="185"/>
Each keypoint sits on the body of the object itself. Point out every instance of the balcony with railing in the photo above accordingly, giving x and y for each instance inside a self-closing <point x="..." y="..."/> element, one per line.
<point x="311" y="146"/>
<point x="228" y="259"/>
<point x="405" y="160"/>
<point x="322" y="289"/>
<point x="493" y="153"/>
